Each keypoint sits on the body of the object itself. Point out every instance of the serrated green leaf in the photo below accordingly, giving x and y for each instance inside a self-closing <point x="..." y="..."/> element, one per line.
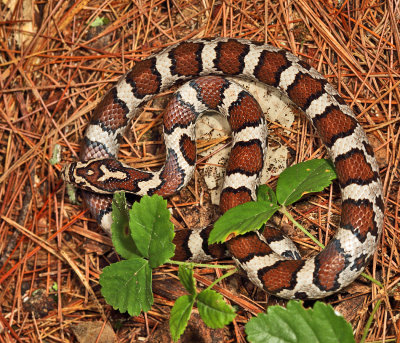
<point x="120" y="232"/>
<point x="152" y="230"/>
<point x="185" y="274"/>
<point x="246" y="217"/>
<point x="214" y="310"/>
<point x="298" y="325"/>
<point x="180" y="315"/>
<point x="126" y="286"/>
<point x="302" y="178"/>
<point x="266" y="193"/>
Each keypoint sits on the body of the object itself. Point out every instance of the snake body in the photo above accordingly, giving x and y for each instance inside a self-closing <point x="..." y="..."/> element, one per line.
<point x="356" y="240"/>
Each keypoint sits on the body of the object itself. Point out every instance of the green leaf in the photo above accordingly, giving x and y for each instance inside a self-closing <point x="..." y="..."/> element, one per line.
<point x="120" y="232"/>
<point x="246" y="217"/>
<point x="56" y="156"/>
<point x="214" y="310"/>
<point x="185" y="274"/>
<point x="302" y="178"/>
<point x="180" y="315"/>
<point x="100" y="21"/>
<point x="152" y="230"/>
<point x="71" y="191"/>
<point x="266" y="193"/>
<point x="126" y="286"/>
<point x="296" y="324"/>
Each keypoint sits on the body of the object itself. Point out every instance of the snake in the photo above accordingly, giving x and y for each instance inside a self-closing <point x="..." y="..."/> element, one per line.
<point x="199" y="63"/>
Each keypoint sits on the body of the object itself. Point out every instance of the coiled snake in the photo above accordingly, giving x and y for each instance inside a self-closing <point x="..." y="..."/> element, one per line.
<point x="355" y="242"/>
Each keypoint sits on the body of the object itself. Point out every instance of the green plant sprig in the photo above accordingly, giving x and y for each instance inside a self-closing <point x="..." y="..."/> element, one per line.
<point x="143" y="236"/>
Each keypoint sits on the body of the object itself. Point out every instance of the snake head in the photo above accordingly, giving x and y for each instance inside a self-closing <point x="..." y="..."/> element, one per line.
<point x="97" y="175"/>
<point x="104" y="176"/>
<point x="80" y="174"/>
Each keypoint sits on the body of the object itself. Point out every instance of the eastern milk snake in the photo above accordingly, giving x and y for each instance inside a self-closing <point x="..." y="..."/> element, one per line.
<point x="277" y="272"/>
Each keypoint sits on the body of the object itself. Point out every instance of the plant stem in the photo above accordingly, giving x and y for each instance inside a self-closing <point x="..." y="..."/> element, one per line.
<point x="287" y="214"/>
<point x="229" y="273"/>
<point x="201" y="265"/>
<point x="376" y="282"/>
<point x="232" y="270"/>
<point x="369" y="322"/>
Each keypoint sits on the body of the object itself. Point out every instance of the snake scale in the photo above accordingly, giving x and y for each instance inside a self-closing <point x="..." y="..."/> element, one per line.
<point x="361" y="223"/>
